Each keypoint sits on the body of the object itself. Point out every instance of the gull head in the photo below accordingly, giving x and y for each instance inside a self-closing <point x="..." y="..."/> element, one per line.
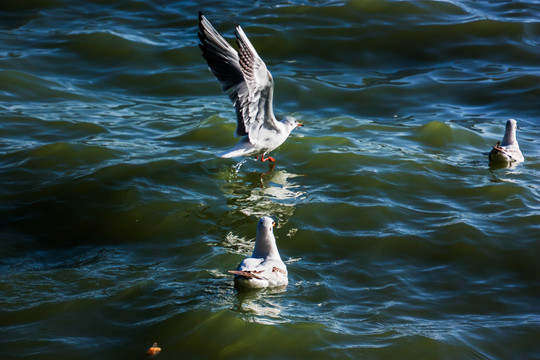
<point x="510" y="133"/>
<point x="265" y="242"/>
<point x="291" y="123"/>
<point x="266" y="225"/>
<point x="511" y="125"/>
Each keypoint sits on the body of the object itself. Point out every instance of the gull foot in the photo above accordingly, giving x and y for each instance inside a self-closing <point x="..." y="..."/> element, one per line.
<point x="271" y="159"/>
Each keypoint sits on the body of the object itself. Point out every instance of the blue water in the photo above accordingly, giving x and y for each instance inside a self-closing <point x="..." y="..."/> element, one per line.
<point x="118" y="223"/>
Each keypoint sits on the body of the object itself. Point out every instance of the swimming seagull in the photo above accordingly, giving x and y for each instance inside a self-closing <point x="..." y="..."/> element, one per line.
<point x="264" y="267"/>
<point x="244" y="77"/>
<point x="507" y="150"/>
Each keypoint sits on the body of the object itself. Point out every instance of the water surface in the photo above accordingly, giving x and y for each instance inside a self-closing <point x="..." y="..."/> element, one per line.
<point x="118" y="223"/>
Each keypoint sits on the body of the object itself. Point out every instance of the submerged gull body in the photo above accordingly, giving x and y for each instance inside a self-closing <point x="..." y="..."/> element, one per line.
<point x="264" y="267"/>
<point x="244" y="77"/>
<point x="507" y="150"/>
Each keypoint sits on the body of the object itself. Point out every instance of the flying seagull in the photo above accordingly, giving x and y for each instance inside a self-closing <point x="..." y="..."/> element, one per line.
<point x="507" y="150"/>
<point x="264" y="267"/>
<point x="245" y="78"/>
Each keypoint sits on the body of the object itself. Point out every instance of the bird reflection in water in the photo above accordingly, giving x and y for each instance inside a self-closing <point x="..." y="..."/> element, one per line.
<point x="260" y="306"/>
<point x="273" y="193"/>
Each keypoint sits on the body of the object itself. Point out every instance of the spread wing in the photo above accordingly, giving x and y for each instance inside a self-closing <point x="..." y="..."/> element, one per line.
<point x="243" y="76"/>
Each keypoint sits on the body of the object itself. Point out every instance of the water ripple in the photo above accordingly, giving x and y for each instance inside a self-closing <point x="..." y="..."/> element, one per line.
<point x="118" y="223"/>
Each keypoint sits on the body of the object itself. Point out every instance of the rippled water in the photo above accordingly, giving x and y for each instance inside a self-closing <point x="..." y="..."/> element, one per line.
<point x="118" y="223"/>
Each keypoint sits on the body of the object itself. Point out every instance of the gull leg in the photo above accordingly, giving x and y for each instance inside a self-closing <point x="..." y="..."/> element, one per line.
<point x="268" y="158"/>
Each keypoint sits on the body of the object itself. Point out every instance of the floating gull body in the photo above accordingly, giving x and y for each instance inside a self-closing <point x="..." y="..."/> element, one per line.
<point x="264" y="267"/>
<point x="244" y="77"/>
<point x="507" y="150"/>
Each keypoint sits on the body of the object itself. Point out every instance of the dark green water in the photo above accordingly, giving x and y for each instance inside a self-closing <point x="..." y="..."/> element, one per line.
<point x="118" y="223"/>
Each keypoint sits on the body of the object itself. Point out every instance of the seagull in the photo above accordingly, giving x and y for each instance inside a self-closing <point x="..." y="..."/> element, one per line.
<point x="264" y="267"/>
<point x="245" y="78"/>
<point x="507" y="150"/>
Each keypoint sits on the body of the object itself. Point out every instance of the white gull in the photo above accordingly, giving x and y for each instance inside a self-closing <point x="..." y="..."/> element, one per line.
<point x="507" y="150"/>
<point x="264" y="267"/>
<point x="244" y="77"/>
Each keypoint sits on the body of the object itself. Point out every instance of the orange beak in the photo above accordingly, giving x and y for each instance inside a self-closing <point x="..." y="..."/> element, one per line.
<point x="300" y="124"/>
<point x="273" y="223"/>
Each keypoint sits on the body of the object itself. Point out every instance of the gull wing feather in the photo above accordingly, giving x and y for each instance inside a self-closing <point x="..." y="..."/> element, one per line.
<point x="221" y="57"/>
<point x="243" y="76"/>
<point x="247" y="274"/>
<point x="257" y="106"/>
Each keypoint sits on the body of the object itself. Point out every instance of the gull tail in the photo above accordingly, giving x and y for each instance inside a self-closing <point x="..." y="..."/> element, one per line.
<point x="230" y="153"/>
<point x="242" y="148"/>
